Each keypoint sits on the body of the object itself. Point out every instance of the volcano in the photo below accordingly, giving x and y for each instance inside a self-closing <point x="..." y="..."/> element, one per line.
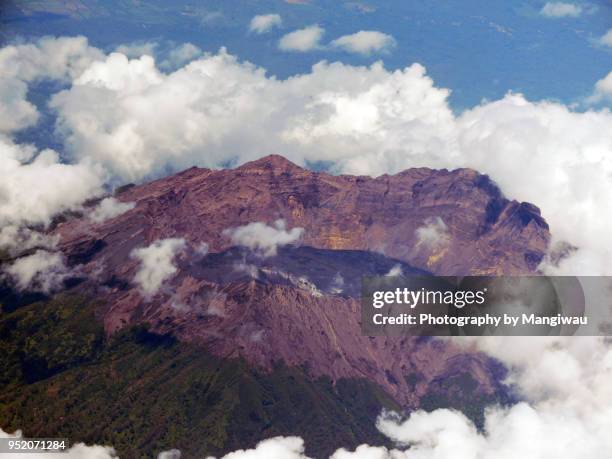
<point x="237" y="337"/>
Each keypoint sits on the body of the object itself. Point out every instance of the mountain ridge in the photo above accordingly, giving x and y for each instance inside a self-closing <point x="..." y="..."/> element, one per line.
<point x="346" y="212"/>
<point x="422" y="220"/>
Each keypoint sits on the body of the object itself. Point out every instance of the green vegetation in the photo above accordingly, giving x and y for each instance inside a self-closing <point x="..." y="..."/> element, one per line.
<point x="461" y="392"/>
<point x="143" y="393"/>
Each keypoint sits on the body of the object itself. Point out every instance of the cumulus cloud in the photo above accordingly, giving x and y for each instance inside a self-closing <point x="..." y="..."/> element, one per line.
<point x="118" y="73"/>
<point x="302" y="40"/>
<point x="368" y="452"/>
<point x="566" y="414"/>
<point x="606" y="39"/>
<point x="170" y="56"/>
<point x="181" y="55"/>
<point x="546" y="154"/>
<point x="262" y="238"/>
<point x="76" y="451"/>
<point x="109" y="208"/>
<point x="433" y="234"/>
<point x="62" y="58"/>
<point x="560" y="10"/>
<point x="37" y="185"/>
<point x="34" y="187"/>
<point x="603" y="90"/>
<point x="48" y="58"/>
<point x="42" y="271"/>
<point x="156" y="264"/>
<point x="273" y="448"/>
<point x="365" y="42"/>
<point x="520" y="431"/>
<point x="143" y="123"/>
<point x="263" y="23"/>
<point x="15" y="111"/>
<point x="137" y="49"/>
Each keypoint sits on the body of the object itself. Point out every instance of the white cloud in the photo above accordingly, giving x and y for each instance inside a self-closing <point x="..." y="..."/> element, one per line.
<point x="396" y="270"/>
<point x="263" y="23"/>
<point x="118" y="73"/>
<point x="76" y="451"/>
<point x="62" y="58"/>
<point x="433" y="234"/>
<point x="173" y="57"/>
<point x="170" y="454"/>
<point x="181" y="55"/>
<point x="560" y="10"/>
<point x="37" y="185"/>
<point x="602" y="91"/>
<point x="558" y="159"/>
<point x="48" y="58"/>
<point x="15" y="111"/>
<point x="439" y="434"/>
<point x="17" y="239"/>
<point x="263" y="238"/>
<point x="567" y="412"/>
<point x="138" y="49"/>
<point x="156" y="264"/>
<point x="606" y="39"/>
<point x="302" y="40"/>
<point x="367" y="452"/>
<point x="365" y="42"/>
<point x="520" y="431"/>
<point x="42" y="271"/>
<point x="272" y="448"/>
<point x="109" y="208"/>
<point x="141" y="122"/>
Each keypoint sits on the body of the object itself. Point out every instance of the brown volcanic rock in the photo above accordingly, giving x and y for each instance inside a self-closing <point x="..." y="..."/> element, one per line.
<point x="290" y="313"/>
<point x="267" y="323"/>
<point x="272" y="319"/>
<point x="487" y="234"/>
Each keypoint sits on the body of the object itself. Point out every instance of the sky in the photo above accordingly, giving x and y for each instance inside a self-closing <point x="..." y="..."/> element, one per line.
<point x="480" y="49"/>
